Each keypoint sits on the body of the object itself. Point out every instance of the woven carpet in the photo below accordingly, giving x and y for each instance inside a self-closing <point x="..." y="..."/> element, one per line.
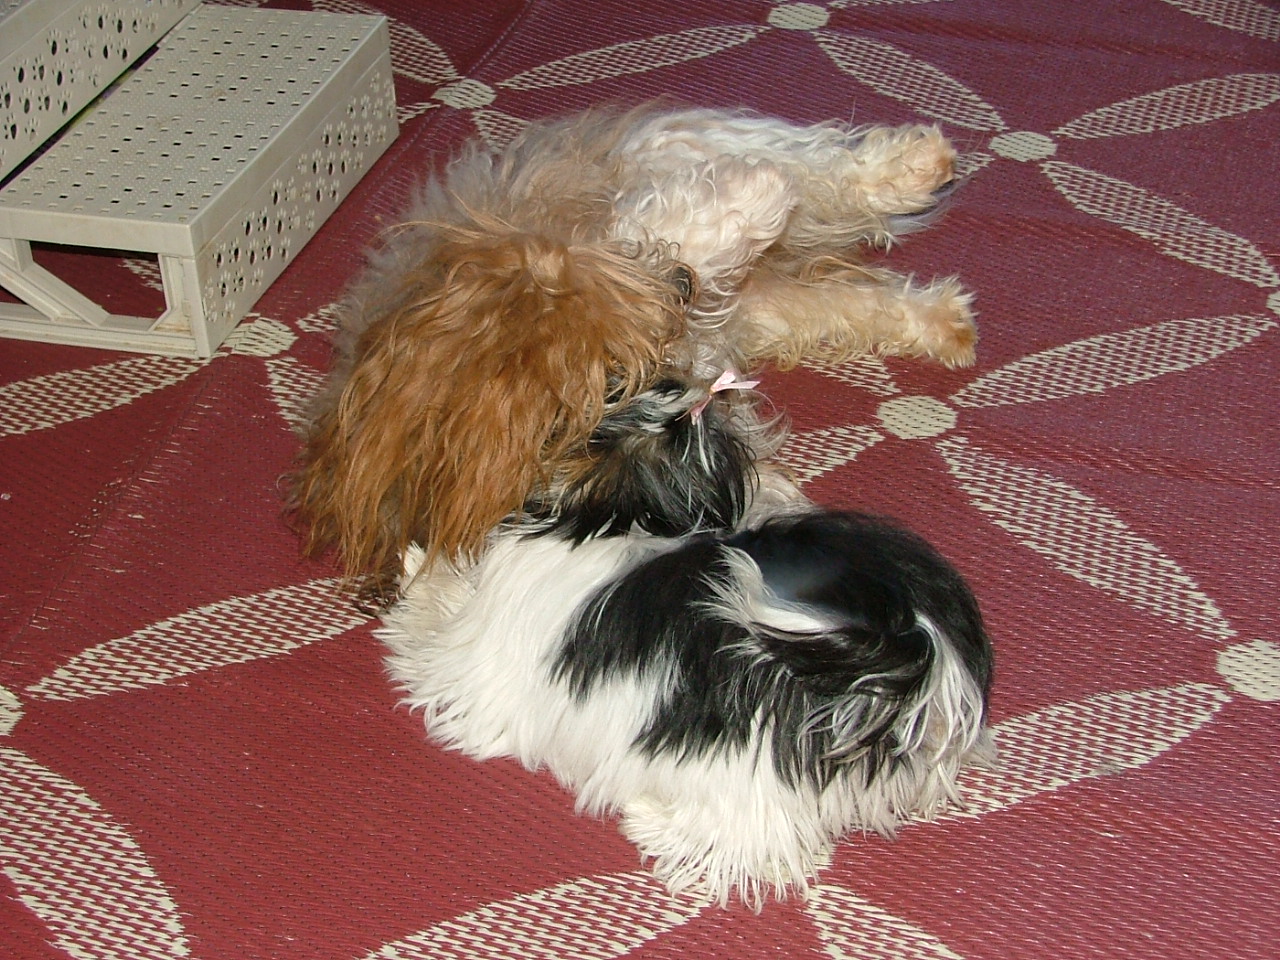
<point x="200" y="754"/>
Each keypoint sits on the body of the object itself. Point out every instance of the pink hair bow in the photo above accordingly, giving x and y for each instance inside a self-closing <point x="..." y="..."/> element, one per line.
<point x="726" y="381"/>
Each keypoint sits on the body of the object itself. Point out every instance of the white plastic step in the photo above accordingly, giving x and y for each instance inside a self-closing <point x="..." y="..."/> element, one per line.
<point x="57" y="55"/>
<point x="222" y="155"/>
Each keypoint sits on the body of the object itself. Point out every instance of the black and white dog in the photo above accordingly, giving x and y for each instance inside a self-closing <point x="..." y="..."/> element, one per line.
<point x="740" y="676"/>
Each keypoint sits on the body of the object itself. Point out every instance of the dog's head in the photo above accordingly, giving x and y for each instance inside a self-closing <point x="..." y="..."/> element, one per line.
<point x="672" y="460"/>
<point x="485" y="362"/>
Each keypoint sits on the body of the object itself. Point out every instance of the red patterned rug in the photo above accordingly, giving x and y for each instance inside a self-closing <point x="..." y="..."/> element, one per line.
<point x="200" y="755"/>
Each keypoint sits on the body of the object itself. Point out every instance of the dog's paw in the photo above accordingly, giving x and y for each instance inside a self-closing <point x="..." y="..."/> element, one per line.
<point x="943" y="323"/>
<point x="900" y="170"/>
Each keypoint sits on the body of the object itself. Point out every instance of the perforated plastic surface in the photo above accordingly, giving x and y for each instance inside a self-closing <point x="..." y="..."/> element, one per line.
<point x="56" y="56"/>
<point x="222" y="154"/>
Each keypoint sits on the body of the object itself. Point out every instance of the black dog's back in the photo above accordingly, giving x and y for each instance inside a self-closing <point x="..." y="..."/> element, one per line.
<point x="877" y="578"/>
<point x="819" y="632"/>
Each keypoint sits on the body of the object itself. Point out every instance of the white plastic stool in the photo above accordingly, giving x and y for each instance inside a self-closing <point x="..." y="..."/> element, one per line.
<point x="222" y="155"/>
<point x="57" y="55"/>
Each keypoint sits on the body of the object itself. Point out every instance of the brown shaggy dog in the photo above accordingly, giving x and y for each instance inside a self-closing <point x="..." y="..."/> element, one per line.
<point x="528" y="289"/>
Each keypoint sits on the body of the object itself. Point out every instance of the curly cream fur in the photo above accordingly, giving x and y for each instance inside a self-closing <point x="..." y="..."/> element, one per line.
<point x="530" y="287"/>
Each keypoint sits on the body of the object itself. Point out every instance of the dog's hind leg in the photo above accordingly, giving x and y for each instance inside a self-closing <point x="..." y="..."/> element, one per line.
<point x="722" y="850"/>
<point x="845" y="186"/>
<point x="899" y="170"/>
<point x="886" y="183"/>
<point x="836" y="312"/>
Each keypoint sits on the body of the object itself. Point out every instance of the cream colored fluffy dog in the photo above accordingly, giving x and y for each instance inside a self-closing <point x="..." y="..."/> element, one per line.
<point x="530" y="289"/>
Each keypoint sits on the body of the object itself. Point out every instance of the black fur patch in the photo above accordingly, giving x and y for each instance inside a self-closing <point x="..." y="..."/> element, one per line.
<point x="726" y="686"/>
<point x="865" y="567"/>
<point x="656" y="469"/>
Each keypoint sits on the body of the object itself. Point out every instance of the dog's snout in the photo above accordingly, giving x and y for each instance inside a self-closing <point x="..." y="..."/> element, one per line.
<point x="684" y="282"/>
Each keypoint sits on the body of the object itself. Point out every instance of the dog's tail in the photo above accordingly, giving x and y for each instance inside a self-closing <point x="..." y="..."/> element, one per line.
<point x="894" y="662"/>
<point x="495" y="353"/>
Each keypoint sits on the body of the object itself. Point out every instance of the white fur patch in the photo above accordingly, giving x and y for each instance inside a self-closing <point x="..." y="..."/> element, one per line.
<point x="472" y="649"/>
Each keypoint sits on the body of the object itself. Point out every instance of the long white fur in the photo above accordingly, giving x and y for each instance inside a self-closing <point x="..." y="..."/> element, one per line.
<point x="473" y="650"/>
<point x="721" y="187"/>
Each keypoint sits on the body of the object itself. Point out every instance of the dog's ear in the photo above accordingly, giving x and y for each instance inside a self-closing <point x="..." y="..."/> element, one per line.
<point x="500" y="355"/>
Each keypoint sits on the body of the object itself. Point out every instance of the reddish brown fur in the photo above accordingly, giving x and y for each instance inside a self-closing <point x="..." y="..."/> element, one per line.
<point x="483" y="339"/>
<point x="503" y="353"/>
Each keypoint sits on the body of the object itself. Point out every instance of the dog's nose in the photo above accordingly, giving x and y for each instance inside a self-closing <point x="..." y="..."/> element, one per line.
<point x="685" y="282"/>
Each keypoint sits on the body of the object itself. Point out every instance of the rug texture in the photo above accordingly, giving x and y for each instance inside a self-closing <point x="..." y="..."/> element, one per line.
<point x="200" y="753"/>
